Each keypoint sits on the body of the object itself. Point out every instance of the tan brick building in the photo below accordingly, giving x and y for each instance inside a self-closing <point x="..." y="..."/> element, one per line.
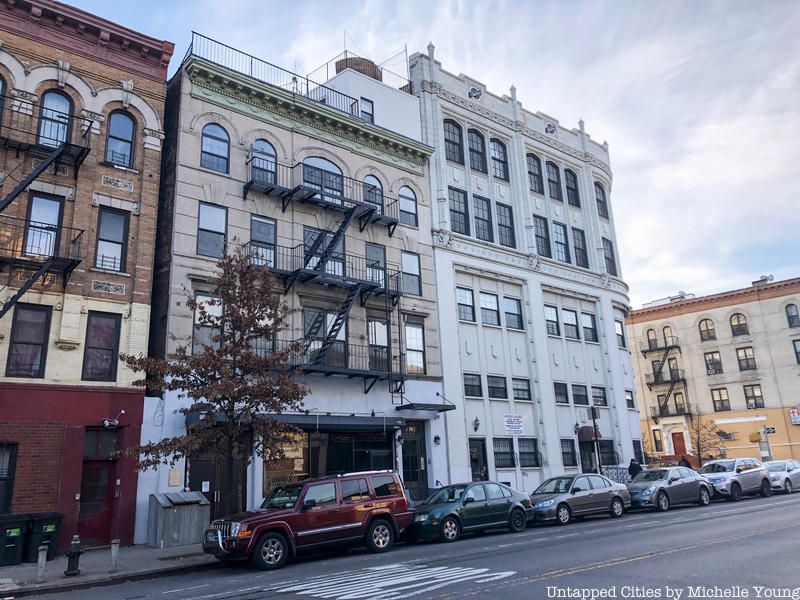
<point x="81" y="128"/>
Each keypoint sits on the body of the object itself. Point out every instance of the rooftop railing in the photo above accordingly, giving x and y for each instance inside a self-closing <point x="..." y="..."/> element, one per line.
<point x="348" y="60"/>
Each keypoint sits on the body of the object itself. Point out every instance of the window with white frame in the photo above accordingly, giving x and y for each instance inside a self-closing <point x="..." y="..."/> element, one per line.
<point x="412" y="280"/>
<point x="589" y="327"/>
<point x="551" y="320"/>
<point x="513" y="310"/>
<point x="490" y="311"/>
<point x="570" y="320"/>
<point x="466" y="304"/>
<point x="415" y="348"/>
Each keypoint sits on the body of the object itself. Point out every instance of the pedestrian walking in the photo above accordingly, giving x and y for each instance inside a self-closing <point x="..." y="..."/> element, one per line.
<point x="634" y="468"/>
<point x="685" y="462"/>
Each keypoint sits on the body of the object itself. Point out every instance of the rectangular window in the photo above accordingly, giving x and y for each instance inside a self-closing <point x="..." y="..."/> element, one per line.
<point x="472" y="385"/>
<point x="542" y="235"/>
<point x="8" y="467"/>
<point x="367" y="110"/>
<point x="521" y="389"/>
<point x="112" y="239"/>
<point x="608" y="253"/>
<point x="638" y="452"/>
<point x="466" y="304"/>
<point x="561" y="393"/>
<point x="797" y="350"/>
<point x="505" y="226"/>
<point x="30" y="332"/>
<point x="568" y="456"/>
<point x="658" y="441"/>
<point x="753" y="397"/>
<point x="619" y="329"/>
<point x="599" y="396"/>
<point x="630" y="402"/>
<point x="713" y="363"/>
<point x="529" y="452"/>
<point x="43" y="227"/>
<point x="720" y="398"/>
<point x="376" y="263"/>
<point x="579" y="244"/>
<point x="570" y="318"/>
<point x="102" y="346"/>
<point x="608" y="455"/>
<point x="212" y="225"/>
<point x="504" y="453"/>
<point x="746" y="358"/>
<point x="513" y="308"/>
<point x="483" y="219"/>
<point x="589" y="327"/>
<point x="203" y="334"/>
<point x="415" y="348"/>
<point x="579" y="395"/>
<point x="459" y="212"/>
<point x="262" y="241"/>
<point x="560" y="243"/>
<point x="378" y="339"/>
<point x="551" y="320"/>
<point x="490" y="312"/>
<point x="412" y="281"/>
<point x="497" y="387"/>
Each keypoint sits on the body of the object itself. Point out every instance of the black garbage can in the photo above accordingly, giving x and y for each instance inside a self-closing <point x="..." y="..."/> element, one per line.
<point x="12" y="536"/>
<point x="43" y="531"/>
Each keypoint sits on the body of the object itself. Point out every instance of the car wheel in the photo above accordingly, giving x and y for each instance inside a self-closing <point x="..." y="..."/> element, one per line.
<point x="766" y="488"/>
<point x="662" y="502"/>
<point x="563" y="514"/>
<point x="736" y="492"/>
<point x="787" y="486"/>
<point x="617" y="508"/>
<point x="518" y="521"/>
<point x="380" y="536"/>
<point x="450" y="530"/>
<point x="271" y="552"/>
<point x="705" y="497"/>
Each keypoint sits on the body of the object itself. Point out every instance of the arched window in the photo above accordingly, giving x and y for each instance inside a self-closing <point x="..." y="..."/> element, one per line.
<point x="554" y="181"/>
<point x="571" y="181"/>
<point x="477" y="151"/>
<point x="215" y="150"/>
<point x="707" y="331"/>
<point x="323" y="175"/>
<point x="453" y="142"/>
<point x="600" y="198"/>
<point x="499" y="159"/>
<point x="652" y="339"/>
<point x="55" y="122"/>
<point x="2" y="97"/>
<point x="408" y="206"/>
<point x="792" y="315"/>
<point x="739" y="325"/>
<point x="119" y="139"/>
<point x="535" y="173"/>
<point x="264" y="163"/>
<point x="373" y="192"/>
<point x="667" y="331"/>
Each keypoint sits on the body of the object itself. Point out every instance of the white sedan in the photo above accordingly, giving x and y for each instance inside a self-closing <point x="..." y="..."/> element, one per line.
<point x="784" y="475"/>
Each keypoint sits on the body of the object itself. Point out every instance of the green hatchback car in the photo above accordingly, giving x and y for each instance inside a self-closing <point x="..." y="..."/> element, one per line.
<point x="463" y="507"/>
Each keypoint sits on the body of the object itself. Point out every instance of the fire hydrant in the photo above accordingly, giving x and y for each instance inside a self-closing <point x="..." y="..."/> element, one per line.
<point x="73" y="557"/>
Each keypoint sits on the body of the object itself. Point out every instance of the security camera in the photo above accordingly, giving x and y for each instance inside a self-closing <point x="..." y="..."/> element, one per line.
<point x="110" y="423"/>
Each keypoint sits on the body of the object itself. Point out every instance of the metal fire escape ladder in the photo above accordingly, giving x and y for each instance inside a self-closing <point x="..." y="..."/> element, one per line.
<point x="336" y="326"/>
<point x="662" y="406"/>
<point x="28" y="285"/>
<point x="330" y="249"/>
<point x="40" y="168"/>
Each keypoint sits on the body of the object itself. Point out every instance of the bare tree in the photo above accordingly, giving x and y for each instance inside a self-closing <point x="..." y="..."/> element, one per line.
<point x="705" y="437"/>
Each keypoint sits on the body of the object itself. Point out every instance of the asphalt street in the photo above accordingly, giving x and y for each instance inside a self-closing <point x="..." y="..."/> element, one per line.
<point x="683" y="553"/>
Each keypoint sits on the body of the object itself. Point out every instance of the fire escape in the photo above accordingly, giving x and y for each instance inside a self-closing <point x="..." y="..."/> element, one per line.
<point x="321" y="261"/>
<point x="41" y="138"/>
<point x="660" y="378"/>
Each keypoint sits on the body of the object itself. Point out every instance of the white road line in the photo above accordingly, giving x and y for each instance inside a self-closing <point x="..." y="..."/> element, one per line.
<point x="195" y="587"/>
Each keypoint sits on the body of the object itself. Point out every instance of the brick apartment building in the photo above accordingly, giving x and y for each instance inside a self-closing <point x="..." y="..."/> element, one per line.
<point x="81" y="113"/>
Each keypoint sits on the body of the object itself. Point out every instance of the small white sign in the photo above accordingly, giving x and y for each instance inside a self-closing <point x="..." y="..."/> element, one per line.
<point x="206" y="486"/>
<point x="513" y="425"/>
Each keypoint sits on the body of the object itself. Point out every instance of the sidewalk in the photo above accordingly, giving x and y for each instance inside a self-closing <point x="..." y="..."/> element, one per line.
<point x="135" y="562"/>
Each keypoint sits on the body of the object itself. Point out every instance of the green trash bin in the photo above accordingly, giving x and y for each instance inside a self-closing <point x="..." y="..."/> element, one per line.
<point x="12" y="536"/>
<point x="42" y="531"/>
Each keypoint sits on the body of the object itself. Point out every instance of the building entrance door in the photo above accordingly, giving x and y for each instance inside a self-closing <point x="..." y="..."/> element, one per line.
<point x="415" y="460"/>
<point x="678" y="443"/>
<point x="207" y="474"/>
<point x="477" y="460"/>
<point x="588" y="457"/>
<point x="96" y="511"/>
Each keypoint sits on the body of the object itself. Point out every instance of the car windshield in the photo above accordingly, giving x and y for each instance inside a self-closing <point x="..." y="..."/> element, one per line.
<point x="556" y="485"/>
<point x="283" y="496"/>
<point x="654" y="475"/>
<point x="720" y="466"/>
<point x="451" y="493"/>
<point x="776" y="467"/>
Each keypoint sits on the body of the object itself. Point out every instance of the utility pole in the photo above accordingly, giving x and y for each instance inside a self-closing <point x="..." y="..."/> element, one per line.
<point x="593" y="411"/>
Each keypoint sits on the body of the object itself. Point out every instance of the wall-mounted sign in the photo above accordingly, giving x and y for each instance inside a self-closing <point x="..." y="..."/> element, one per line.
<point x="794" y="413"/>
<point x="513" y="425"/>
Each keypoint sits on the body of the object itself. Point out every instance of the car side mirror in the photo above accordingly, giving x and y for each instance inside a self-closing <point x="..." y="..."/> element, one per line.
<point x="575" y="490"/>
<point x="468" y="500"/>
<point x="740" y="469"/>
<point x="309" y="504"/>
<point x="673" y="479"/>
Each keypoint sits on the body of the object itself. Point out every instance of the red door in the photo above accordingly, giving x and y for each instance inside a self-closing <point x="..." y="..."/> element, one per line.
<point x="678" y="443"/>
<point x="98" y="483"/>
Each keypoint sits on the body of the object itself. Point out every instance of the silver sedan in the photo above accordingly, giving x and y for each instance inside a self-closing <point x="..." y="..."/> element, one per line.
<point x="561" y="499"/>
<point x="784" y="475"/>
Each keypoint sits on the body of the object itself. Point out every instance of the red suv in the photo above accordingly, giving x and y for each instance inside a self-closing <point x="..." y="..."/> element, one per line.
<point x="368" y="507"/>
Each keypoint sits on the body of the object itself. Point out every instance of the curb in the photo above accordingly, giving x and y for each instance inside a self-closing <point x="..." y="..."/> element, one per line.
<point x="70" y="586"/>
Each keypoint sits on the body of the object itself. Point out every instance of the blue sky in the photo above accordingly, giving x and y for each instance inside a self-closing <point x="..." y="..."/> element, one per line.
<point x="699" y="102"/>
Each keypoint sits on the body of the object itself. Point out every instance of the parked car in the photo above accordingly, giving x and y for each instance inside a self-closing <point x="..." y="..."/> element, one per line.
<point x="784" y="475"/>
<point x="367" y="508"/>
<point x="661" y="488"/>
<point x="463" y="507"/>
<point x="734" y="477"/>
<point x="563" y="498"/>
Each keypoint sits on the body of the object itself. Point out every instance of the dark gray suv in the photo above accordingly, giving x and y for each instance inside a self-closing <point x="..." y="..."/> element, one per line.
<point x="661" y="488"/>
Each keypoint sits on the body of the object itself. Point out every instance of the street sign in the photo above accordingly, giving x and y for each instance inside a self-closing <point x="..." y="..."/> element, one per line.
<point x="769" y="430"/>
